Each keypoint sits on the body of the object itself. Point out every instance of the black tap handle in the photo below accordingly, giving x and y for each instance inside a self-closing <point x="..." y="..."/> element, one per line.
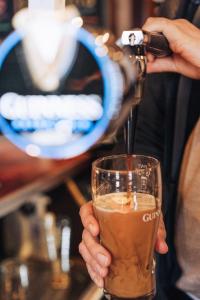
<point x="157" y="44"/>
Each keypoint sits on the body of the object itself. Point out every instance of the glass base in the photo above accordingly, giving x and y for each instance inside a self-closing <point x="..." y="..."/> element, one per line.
<point x="145" y="297"/>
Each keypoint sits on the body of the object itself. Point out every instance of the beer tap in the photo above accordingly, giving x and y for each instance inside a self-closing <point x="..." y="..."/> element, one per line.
<point x="76" y="97"/>
<point x="141" y="42"/>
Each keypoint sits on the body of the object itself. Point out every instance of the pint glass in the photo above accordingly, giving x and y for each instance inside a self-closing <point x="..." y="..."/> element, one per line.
<point x="127" y="203"/>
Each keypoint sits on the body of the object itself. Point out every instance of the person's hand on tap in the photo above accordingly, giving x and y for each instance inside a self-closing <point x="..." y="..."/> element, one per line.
<point x="97" y="258"/>
<point x="184" y="41"/>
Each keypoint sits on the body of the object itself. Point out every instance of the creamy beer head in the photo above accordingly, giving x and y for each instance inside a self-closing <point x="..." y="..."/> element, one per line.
<point x="122" y="203"/>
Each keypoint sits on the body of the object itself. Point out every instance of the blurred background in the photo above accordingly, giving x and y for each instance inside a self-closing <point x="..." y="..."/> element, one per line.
<point x="116" y="15"/>
<point x="40" y="199"/>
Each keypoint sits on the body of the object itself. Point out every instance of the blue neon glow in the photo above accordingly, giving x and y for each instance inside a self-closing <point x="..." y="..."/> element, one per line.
<point x="111" y="96"/>
<point x="78" y="126"/>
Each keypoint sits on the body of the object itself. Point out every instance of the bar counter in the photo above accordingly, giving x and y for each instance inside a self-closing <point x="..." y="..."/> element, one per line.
<point x="22" y="176"/>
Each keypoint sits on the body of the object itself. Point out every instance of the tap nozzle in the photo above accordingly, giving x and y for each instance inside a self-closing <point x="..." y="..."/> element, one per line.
<point x="154" y="42"/>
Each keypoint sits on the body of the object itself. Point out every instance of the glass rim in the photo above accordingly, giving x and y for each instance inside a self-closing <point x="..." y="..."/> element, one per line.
<point x="115" y="156"/>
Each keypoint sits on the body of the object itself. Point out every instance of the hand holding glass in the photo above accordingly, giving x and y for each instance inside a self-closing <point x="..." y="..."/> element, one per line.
<point x="127" y="203"/>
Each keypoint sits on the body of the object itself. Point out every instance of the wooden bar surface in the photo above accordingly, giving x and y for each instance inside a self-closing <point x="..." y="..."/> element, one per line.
<point x="21" y="175"/>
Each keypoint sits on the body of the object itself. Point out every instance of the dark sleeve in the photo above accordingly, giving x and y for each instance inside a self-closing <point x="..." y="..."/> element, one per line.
<point x="149" y="138"/>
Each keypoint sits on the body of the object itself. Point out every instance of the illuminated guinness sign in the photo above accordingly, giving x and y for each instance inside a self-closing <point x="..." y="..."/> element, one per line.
<point x="69" y="120"/>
